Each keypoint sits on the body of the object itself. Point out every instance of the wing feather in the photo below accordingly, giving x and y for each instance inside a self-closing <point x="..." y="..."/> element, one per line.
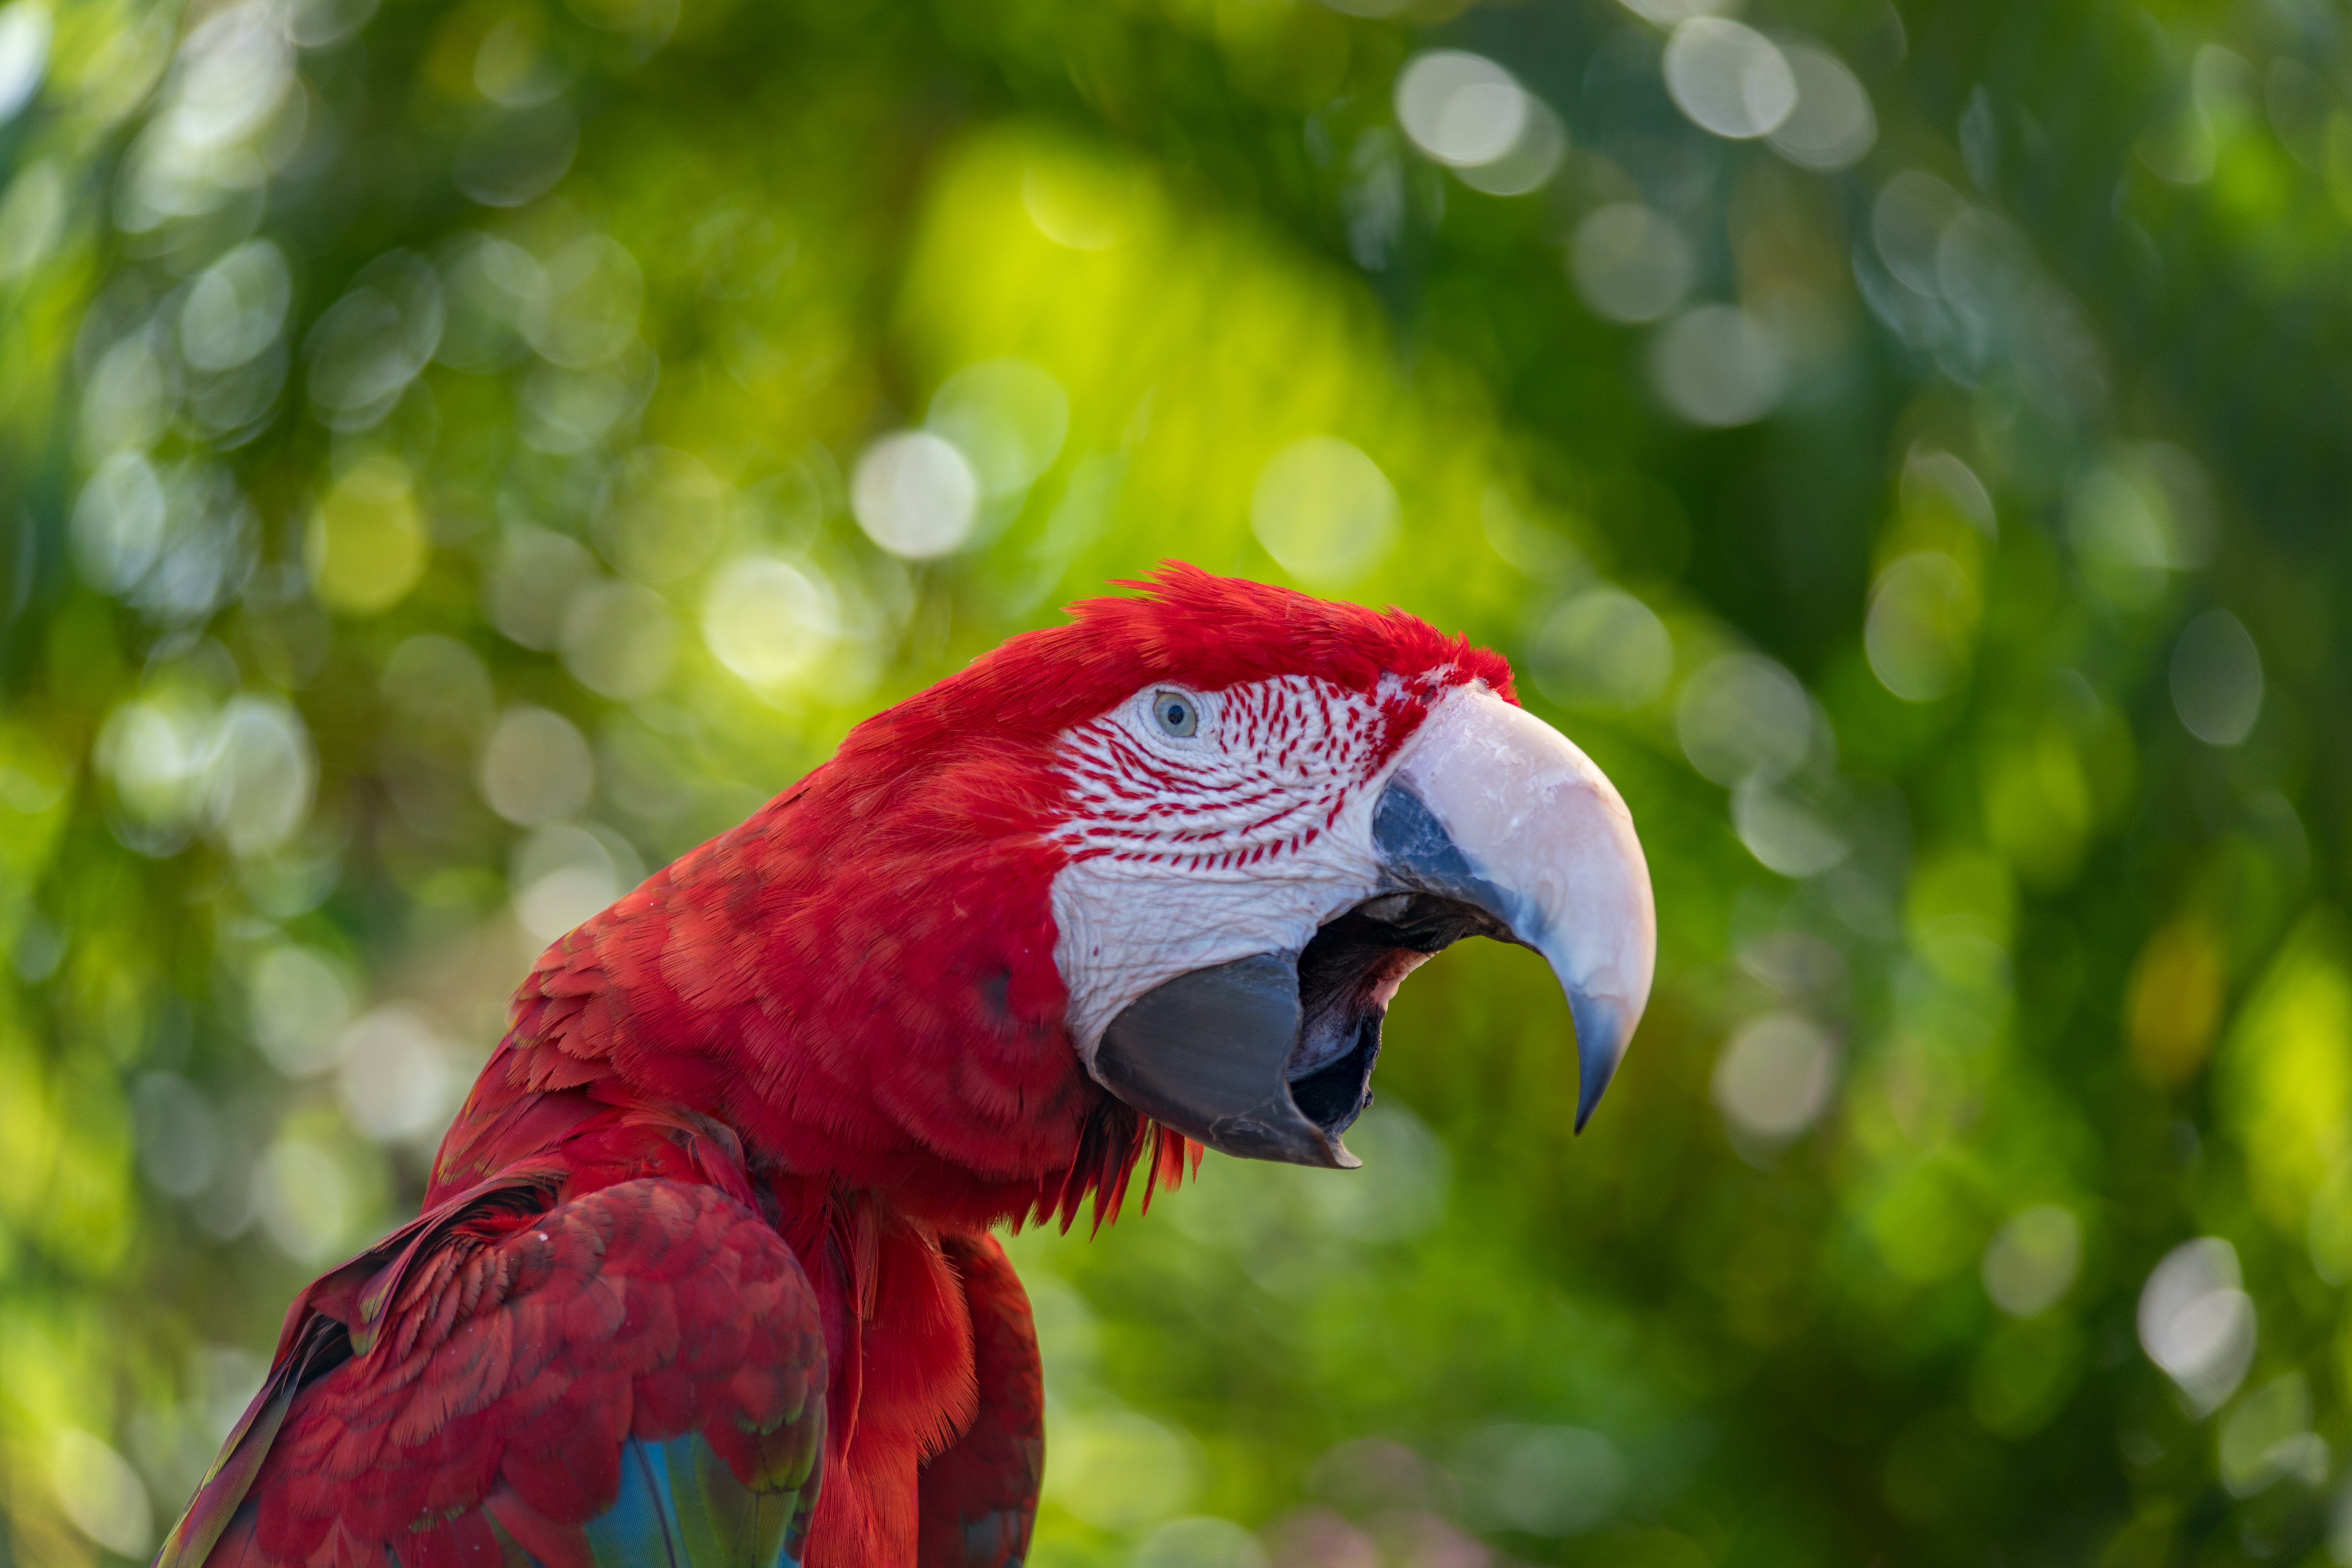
<point x="633" y="1375"/>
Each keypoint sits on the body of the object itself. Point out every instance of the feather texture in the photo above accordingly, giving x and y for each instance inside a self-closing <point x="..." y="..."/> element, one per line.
<point x="629" y="1375"/>
<point x="978" y="1498"/>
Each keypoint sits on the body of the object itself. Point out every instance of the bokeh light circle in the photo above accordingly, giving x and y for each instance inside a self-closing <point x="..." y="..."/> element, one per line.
<point x="915" y="495"/>
<point x="1007" y="416"/>
<point x="1920" y="626"/>
<point x="1459" y="108"/>
<point x="1603" y="649"/>
<point x="235" y="307"/>
<point x="2217" y="678"/>
<point x="1324" y="511"/>
<point x="1728" y="77"/>
<point x="1833" y="124"/>
<point x="1629" y="262"/>
<point x="1774" y="1078"/>
<point x="768" y="620"/>
<point x="2196" y="1322"/>
<point x="1744" y="716"/>
<point x="1718" y="367"/>
<point x="2032" y="1260"/>
<point x="24" y="32"/>
<point x="536" y="767"/>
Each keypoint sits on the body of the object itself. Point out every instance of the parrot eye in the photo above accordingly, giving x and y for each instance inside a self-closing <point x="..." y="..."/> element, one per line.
<point x="1175" y="714"/>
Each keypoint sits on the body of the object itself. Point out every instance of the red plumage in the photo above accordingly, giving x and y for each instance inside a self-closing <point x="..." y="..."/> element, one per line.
<point x="753" y="1122"/>
<point x="467" y="1385"/>
<point x="979" y="1495"/>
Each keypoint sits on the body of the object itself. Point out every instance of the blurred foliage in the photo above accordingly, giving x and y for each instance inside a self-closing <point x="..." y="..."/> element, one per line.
<point x="454" y="457"/>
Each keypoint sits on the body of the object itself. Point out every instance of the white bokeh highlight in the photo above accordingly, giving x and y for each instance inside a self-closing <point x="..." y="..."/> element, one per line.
<point x="24" y="32"/>
<point x="1774" y="1078"/>
<point x="101" y="1494"/>
<point x="398" y="1082"/>
<point x="1833" y="124"/>
<point x="1728" y="77"/>
<point x="915" y="495"/>
<point x="2196" y="1322"/>
<point x="1541" y="1480"/>
<point x="770" y="621"/>
<point x="300" y="1002"/>
<point x="1459" y="108"/>
<point x="1918" y="632"/>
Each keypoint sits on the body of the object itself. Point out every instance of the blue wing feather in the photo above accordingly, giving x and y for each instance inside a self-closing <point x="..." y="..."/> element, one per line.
<point x="681" y="1507"/>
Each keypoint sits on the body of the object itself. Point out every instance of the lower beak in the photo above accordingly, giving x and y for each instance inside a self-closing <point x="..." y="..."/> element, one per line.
<point x="1493" y="824"/>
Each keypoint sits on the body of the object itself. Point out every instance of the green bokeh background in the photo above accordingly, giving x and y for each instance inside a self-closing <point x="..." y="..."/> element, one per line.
<point x="429" y="443"/>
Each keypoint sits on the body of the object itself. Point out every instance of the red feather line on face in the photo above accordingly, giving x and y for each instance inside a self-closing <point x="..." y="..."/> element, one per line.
<point x="1289" y="756"/>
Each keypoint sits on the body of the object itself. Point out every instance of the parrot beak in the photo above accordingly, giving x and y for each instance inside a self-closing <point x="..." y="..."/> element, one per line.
<point x="1492" y="824"/>
<point x="1494" y="808"/>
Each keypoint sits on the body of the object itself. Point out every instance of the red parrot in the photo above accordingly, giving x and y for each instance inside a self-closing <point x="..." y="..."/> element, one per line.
<point x="713" y="1226"/>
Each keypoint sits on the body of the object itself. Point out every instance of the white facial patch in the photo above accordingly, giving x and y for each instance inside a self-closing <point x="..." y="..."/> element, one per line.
<point x="1193" y="849"/>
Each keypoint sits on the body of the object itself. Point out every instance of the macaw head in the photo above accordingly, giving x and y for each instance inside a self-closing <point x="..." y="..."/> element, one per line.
<point x="1258" y="812"/>
<point x="1148" y="877"/>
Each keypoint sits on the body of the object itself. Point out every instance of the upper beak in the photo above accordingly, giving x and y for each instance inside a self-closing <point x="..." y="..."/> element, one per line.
<point x="1493" y="824"/>
<point x="1495" y="807"/>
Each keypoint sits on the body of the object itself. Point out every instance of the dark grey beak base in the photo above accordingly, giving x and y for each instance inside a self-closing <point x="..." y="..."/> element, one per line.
<point x="1203" y="1053"/>
<point x="1271" y="1057"/>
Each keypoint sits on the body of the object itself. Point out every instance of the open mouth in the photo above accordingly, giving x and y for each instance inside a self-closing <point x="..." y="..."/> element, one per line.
<point x="1347" y="975"/>
<point x="1270" y="1056"/>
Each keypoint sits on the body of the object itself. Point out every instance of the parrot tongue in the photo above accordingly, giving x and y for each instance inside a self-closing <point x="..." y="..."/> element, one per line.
<point x="1271" y="1057"/>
